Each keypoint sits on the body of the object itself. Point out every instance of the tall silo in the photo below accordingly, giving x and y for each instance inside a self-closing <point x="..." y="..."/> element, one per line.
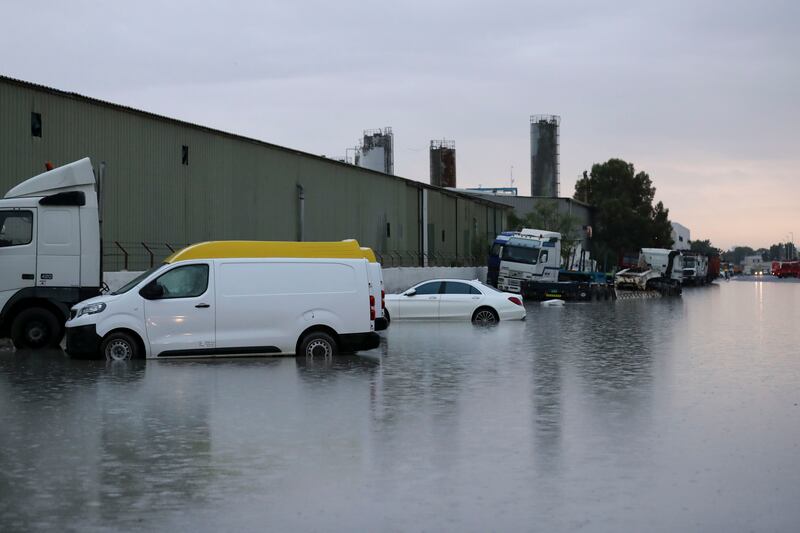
<point x="377" y="151"/>
<point x="443" y="163"/>
<point x="544" y="155"/>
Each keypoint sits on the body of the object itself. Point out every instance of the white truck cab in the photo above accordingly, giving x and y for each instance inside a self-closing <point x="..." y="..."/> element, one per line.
<point x="235" y="298"/>
<point x="530" y="255"/>
<point x="49" y="253"/>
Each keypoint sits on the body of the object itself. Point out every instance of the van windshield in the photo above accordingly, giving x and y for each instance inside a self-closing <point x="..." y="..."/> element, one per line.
<point x="135" y="281"/>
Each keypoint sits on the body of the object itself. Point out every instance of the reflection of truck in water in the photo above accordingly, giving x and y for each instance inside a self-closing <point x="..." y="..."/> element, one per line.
<point x="529" y="263"/>
<point x="49" y="253"/>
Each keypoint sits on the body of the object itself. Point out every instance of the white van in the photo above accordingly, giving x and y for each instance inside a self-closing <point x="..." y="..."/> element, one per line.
<point x="230" y="304"/>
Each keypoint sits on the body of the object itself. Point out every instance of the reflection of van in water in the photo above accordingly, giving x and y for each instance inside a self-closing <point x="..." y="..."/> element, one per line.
<point x="235" y="298"/>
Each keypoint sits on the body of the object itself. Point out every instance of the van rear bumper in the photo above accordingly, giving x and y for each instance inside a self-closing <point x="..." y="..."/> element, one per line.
<point x="354" y="342"/>
<point x="83" y="341"/>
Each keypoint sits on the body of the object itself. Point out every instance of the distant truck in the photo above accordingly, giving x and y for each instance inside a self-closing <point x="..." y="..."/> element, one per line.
<point x="529" y="263"/>
<point x="695" y="268"/>
<point x="786" y="269"/>
<point x="659" y="271"/>
<point x="49" y="253"/>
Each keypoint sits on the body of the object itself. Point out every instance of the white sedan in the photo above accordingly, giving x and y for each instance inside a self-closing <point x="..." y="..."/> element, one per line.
<point x="447" y="299"/>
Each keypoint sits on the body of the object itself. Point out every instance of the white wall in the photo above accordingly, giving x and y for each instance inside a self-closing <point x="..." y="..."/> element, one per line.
<point x="394" y="279"/>
<point x="400" y="278"/>
<point x="115" y="280"/>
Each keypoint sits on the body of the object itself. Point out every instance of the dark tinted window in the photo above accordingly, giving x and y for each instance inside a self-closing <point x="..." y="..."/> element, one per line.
<point x="473" y="290"/>
<point x="16" y="228"/>
<point x="454" y="287"/>
<point x="36" y="124"/>
<point x="429" y="288"/>
<point x="184" y="282"/>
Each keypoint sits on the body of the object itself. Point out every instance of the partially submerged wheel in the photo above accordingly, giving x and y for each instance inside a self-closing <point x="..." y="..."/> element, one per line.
<point x="36" y="328"/>
<point x="119" y="346"/>
<point x="318" y="345"/>
<point x="485" y="316"/>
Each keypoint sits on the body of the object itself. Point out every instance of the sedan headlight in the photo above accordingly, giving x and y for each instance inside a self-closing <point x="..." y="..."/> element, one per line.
<point x="92" y="309"/>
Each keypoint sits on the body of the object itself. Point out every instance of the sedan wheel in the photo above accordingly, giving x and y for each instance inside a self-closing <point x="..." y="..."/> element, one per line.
<point x="485" y="317"/>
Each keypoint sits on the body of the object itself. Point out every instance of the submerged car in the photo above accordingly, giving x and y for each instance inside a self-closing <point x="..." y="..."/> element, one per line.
<point x="453" y="299"/>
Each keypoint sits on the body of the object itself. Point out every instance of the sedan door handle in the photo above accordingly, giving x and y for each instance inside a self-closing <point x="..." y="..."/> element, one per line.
<point x="476" y="297"/>
<point x="202" y="306"/>
<point x="431" y="297"/>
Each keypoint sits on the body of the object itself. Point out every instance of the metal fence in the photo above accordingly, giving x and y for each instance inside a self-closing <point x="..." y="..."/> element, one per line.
<point x="143" y="255"/>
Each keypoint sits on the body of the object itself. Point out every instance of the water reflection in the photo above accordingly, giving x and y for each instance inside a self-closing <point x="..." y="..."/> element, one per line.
<point x="633" y="412"/>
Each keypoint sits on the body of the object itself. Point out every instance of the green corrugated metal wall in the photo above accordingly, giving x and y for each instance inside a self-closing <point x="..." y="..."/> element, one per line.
<point x="232" y="188"/>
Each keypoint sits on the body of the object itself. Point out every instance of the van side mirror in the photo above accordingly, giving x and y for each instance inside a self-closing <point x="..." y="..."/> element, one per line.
<point x="410" y="292"/>
<point x="152" y="291"/>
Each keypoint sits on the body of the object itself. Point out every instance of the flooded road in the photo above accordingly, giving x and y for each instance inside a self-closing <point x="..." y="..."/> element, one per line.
<point x="658" y="415"/>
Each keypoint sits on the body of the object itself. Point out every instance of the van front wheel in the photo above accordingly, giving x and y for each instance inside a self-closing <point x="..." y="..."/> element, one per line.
<point x="318" y="345"/>
<point x="119" y="346"/>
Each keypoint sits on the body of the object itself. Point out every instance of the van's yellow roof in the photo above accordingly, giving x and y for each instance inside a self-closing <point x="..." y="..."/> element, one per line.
<point x="349" y="249"/>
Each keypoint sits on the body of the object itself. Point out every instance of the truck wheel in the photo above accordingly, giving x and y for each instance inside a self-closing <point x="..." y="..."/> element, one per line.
<point x="36" y="328"/>
<point x="318" y="344"/>
<point x="119" y="346"/>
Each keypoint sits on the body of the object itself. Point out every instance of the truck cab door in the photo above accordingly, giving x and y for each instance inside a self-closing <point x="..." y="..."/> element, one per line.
<point x="59" y="247"/>
<point x="17" y="251"/>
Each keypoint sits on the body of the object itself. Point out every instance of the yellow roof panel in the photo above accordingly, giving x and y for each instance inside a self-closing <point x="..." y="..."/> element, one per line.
<point x="348" y="249"/>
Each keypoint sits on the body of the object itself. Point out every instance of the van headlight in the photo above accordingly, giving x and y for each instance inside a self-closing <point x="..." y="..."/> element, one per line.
<point x="92" y="309"/>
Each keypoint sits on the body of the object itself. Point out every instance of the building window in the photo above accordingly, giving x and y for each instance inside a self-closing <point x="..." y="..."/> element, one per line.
<point x="388" y="229"/>
<point x="442" y="235"/>
<point x="36" y="124"/>
<point x="184" y="155"/>
<point x="680" y="238"/>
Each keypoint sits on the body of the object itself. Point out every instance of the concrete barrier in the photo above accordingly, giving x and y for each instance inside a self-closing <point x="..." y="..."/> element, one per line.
<point x="394" y="279"/>
<point x="115" y="280"/>
<point x="400" y="278"/>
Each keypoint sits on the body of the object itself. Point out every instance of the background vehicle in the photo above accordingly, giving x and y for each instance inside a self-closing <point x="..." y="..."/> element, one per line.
<point x="49" y="253"/>
<point x="209" y="300"/>
<point x="659" y="272"/>
<point x="530" y="264"/>
<point x="695" y="268"/>
<point x="452" y="299"/>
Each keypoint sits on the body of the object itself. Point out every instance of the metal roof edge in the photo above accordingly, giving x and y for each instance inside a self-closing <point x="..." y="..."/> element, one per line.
<point x="155" y="116"/>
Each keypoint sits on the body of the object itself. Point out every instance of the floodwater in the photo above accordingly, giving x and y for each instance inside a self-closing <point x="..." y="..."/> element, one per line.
<point x="656" y="415"/>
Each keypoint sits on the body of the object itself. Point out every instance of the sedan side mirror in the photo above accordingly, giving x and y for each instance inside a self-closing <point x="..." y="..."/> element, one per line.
<point x="410" y="292"/>
<point x="152" y="291"/>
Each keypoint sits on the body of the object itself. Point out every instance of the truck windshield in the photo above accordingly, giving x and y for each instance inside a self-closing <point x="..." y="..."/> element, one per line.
<point x="135" y="281"/>
<point x="520" y="254"/>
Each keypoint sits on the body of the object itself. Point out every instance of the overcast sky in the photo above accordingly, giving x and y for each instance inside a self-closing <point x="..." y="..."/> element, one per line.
<point x="701" y="95"/>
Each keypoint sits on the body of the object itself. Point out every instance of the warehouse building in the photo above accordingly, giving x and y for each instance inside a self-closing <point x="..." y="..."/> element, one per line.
<point x="167" y="183"/>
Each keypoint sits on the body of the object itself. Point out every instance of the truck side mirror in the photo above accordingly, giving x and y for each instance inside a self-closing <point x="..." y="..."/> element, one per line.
<point x="152" y="291"/>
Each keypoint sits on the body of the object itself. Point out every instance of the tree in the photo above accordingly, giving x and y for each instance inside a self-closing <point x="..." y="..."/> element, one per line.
<point x="546" y="216"/>
<point x="626" y="219"/>
<point x="703" y="247"/>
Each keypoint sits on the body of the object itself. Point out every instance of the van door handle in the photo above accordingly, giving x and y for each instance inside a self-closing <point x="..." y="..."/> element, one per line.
<point x="202" y="306"/>
<point x="28" y="276"/>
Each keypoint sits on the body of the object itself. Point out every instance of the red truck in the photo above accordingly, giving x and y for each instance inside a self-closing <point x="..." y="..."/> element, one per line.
<point x="786" y="269"/>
